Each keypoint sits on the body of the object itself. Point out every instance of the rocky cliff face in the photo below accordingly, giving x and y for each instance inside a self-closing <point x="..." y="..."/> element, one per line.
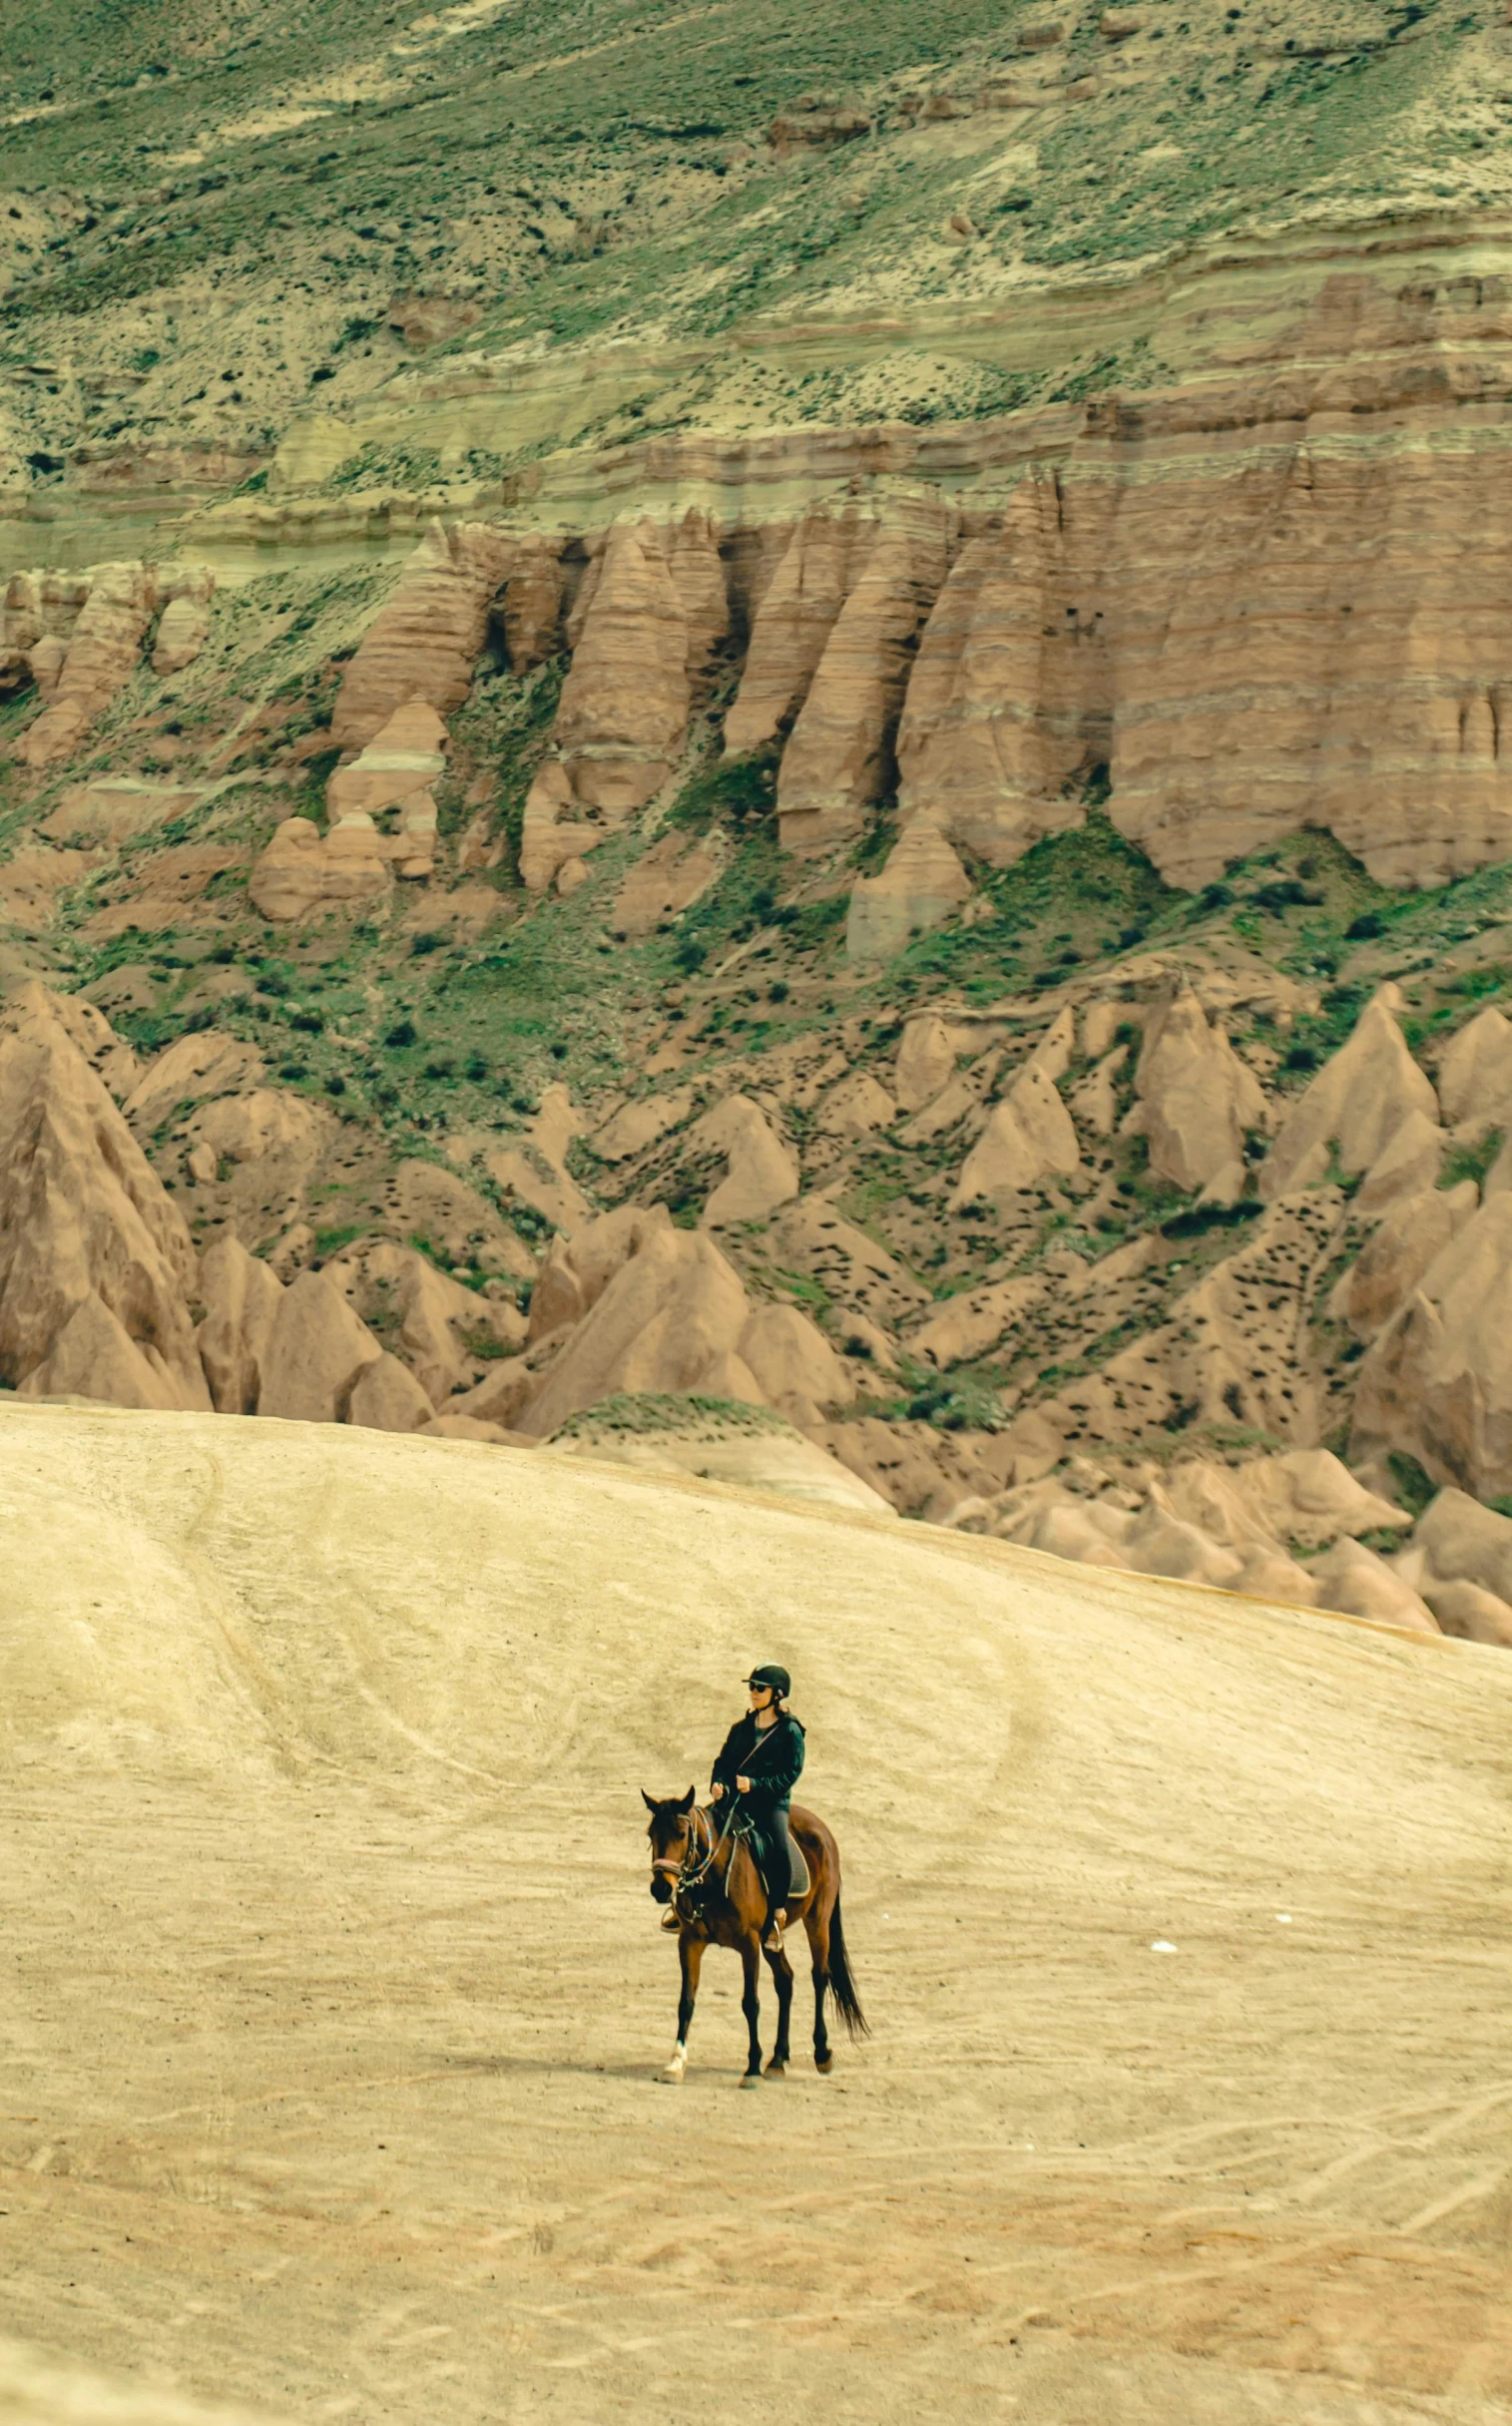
<point x="1249" y="603"/>
<point x="427" y="640"/>
<point x="1001" y="714"/>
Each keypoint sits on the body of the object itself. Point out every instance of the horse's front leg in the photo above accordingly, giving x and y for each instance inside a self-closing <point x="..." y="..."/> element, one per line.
<point x="691" y="1956"/>
<point x="782" y="1973"/>
<point x="750" y="2007"/>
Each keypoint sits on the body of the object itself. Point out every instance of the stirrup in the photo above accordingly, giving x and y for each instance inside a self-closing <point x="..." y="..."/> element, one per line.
<point x="772" y="1936"/>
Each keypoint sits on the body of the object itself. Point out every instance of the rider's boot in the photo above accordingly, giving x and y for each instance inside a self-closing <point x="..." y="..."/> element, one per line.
<point x="777" y="1922"/>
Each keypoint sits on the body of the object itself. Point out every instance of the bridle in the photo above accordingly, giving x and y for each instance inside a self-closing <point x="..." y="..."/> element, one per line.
<point x="693" y="1865"/>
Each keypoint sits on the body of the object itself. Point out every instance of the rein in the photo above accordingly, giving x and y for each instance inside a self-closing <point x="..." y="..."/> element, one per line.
<point x="699" y="1860"/>
<point x="704" y="1844"/>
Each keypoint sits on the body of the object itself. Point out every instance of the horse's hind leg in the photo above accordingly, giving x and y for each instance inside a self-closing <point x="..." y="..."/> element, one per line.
<point x="750" y="2007"/>
<point x="690" y="1955"/>
<point x="782" y="1973"/>
<point x="818" y="1942"/>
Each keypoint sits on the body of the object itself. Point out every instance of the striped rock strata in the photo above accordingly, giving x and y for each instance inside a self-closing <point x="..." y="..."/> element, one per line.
<point x="1257" y="602"/>
<point x="83" y="635"/>
<point x="653" y="608"/>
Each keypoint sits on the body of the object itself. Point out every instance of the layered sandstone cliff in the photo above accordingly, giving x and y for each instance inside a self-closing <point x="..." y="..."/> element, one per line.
<point x="1262" y="599"/>
<point x="426" y="639"/>
<point x="79" y="638"/>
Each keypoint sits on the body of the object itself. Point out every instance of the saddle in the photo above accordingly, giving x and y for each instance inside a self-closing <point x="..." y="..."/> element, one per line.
<point x="798" y="1883"/>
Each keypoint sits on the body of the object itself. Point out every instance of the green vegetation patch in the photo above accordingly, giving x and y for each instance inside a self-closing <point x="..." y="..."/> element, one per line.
<point x="1415" y="1487"/>
<point x="959" y="1402"/>
<point x="1076" y="897"/>
<point x="391" y="467"/>
<point x="504" y="727"/>
<point x="1472" y="1162"/>
<point x="738" y="792"/>
<point x="650" y="1412"/>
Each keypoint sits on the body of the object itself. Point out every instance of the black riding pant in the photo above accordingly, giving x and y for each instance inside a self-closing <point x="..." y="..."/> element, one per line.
<point x="779" y="1861"/>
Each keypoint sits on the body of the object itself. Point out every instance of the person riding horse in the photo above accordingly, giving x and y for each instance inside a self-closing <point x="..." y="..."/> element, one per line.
<point x="730" y="1875"/>
<point x="761" y="1761"/>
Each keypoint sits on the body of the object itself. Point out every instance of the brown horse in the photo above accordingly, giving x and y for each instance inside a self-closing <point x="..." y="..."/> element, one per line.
<point x="716" y="1889"/>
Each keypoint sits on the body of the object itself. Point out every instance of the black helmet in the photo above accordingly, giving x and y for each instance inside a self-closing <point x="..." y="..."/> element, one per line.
<point x="777" y="1678"/>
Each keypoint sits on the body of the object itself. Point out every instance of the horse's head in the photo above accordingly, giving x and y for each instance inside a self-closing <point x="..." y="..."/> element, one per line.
<point x="669" y="1833"/>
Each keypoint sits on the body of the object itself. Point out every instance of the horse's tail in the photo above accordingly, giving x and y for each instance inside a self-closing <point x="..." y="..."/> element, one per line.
<point x="841" y="1985"/>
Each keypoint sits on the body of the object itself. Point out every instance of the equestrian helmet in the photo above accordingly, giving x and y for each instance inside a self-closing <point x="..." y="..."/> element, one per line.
<point x="777" y="1678"/>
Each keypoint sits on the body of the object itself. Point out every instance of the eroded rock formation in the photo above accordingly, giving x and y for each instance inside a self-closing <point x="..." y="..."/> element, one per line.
<point x="1437" y="1381"/>
<point x="1006" y="704"/>
<point x="395" y="775"/>
<point x="759" y="1172"/>
<point x="1216" y="605"/>
<point x="301" y="871"/>
<point x="183" y="593"/>
<point x="796" y="618"/>
<point x="105" y="1301"/>
<point x="1355" y="1107"/>
<point x="1220" y="1525"/>
<point x="922" y="885"/>
<point x="103" y="647"/>
<point x="1198" y="1099"/>
<point x="81" y="637"/>
<point x="425" y="641"/>
<point x="841" y="760"/>
<point x="674" y="1317"/>
<point x="315" y="1351"/>
<point x="650" y="611"/>
<point x="96" y="1263"/>
<point x="240" y="1298"/>
<point x="1137" y="604"/>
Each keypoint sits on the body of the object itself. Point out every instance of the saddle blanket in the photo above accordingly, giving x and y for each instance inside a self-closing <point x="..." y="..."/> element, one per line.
<point x="798" y="1883"/>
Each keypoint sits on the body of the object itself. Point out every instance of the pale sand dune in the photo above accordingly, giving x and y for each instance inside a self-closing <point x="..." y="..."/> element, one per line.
<point x="37" y="2392"/>
<point x="333" y="1998"/>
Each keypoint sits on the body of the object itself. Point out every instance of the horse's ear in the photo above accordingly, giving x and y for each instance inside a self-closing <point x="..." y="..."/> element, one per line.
<point x="687" y="1802"/>
<point x="645" y="1798"/>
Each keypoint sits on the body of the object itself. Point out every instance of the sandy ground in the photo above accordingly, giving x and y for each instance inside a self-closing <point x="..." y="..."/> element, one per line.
<point x="333" y="1998"/>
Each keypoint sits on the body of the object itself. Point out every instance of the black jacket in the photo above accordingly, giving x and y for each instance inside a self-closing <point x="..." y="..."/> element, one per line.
<point x="772" y="1757"/>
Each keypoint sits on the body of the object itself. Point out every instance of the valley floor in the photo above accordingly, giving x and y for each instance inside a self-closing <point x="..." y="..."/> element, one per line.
<point x="335" y="2000"/>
